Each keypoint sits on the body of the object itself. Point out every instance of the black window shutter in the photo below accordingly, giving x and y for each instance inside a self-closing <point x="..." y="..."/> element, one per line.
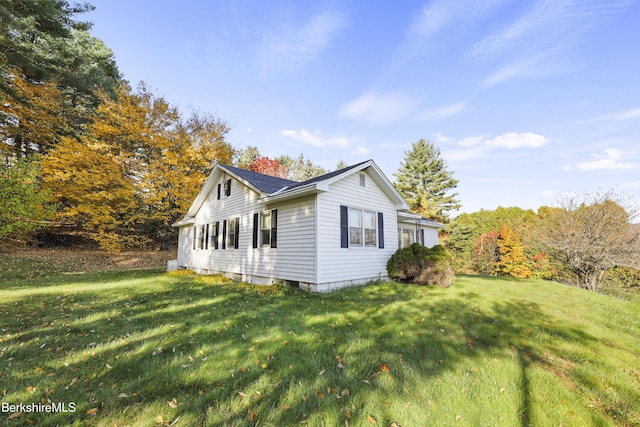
<point x="206" y="237"/>
<point x="422" y="236"/>
<point x="380" y="230"/>
<point x="344" y="227"/>
<point x="236" y="240"/>
<point x="216" y="235"/>
<point x="195" y="235"/>
<point x="224" y="234"/>
<point x="274" y="228"/>
<point x="228" y="193"/>
<point x="219" y="190"/>
<point x="256" y="224"/>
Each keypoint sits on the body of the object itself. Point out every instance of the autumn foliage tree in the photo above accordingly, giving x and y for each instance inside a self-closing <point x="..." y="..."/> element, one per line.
<point x="136" y="170"/>
<point x="268" y="166"/>
<point x="512" y="260"/>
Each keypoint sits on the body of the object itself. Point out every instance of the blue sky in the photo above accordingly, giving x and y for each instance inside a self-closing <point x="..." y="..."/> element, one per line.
<point x="527" y="100"/>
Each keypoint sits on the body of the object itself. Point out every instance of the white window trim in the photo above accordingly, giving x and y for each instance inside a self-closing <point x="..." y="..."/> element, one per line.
<point x="363" y="228"/>
<point x="401" y="230"/>
<point x="262" y="242"/>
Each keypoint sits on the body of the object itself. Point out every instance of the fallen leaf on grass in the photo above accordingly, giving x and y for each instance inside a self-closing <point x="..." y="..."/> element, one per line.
<point x="320" y="394"/>
<point x="92" y="412"/>
<point x="173" y="403"/>
<point x="371" y="419"/>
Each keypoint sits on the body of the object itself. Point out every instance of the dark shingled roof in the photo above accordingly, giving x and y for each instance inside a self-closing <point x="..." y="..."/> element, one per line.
<point x="271" y="185"/>
<point x="325" y="176"/>
<point x="265" y="183"/>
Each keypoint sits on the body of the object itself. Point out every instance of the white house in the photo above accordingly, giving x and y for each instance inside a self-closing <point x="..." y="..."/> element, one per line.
<point x="322" y="234"/>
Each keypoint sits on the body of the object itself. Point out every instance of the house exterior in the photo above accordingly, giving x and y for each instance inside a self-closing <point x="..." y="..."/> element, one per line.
<point x="329" y="232"/>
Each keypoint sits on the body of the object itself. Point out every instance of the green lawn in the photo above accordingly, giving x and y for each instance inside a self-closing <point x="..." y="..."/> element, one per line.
<point x="147" y="348"/>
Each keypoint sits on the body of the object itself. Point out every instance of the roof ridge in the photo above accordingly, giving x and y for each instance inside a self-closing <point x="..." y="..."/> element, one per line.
<point x="272" y="184"/>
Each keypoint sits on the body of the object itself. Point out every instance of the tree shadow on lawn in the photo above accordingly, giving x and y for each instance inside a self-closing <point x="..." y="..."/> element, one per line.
<point x="230" y="356"/>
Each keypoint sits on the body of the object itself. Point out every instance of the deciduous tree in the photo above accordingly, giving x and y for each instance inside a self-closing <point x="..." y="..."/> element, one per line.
<point x="591" y="233"/>
<point x="512" y="260"/>
<point x="136" y="170"/>
<point x="268" y="166"/>
<point x="24" y="208"/>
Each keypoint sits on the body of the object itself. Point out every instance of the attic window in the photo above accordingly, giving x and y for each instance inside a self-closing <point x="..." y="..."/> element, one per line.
<point x="363" y="180"/>
<point x="227" y="188"/>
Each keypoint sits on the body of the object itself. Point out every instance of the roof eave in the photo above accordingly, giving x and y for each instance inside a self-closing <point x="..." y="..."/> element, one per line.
<point x="314" y="188"/>
<point x="183" y="222"/>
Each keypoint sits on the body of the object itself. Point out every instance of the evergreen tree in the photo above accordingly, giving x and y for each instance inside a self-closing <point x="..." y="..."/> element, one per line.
<point x="341" y="165"/>
<point x="244" y="157"/>
<point x="426" y="184"/>
<point x="301" y="169"/>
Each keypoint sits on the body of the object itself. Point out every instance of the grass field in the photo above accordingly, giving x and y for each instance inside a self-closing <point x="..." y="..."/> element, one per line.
<point x="141" y="347"/>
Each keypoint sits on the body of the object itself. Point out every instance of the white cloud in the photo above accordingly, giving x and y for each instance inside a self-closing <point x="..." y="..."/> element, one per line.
<point x="608" y="159"/>
<point x="444" y="112"/>
<point x="293" y="45"/>
<point x="474" y="147"/>
<point x="440" y="138"/>
<point x="316" y="138"/>
<point x="361" y="151"/>
<point x="540" y="35"/>
<point x="379" y="108"/>
<point x="616" y="116"/>
<point x="521" y="68"/>
<point x="471" y="141"/>
<point x="631" y="114"/>
<point x="512" y="140"/>
<point x="466" y="154"/>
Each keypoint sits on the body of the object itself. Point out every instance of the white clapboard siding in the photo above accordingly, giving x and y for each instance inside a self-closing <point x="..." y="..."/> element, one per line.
<point x="430" y="236"/>
<point x="293" y="259"/>
<point x="336" y="264"/>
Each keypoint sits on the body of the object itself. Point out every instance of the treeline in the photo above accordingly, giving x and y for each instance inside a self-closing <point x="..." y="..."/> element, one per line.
<point x="84" y="153"/>
<point x="589" y="241"/>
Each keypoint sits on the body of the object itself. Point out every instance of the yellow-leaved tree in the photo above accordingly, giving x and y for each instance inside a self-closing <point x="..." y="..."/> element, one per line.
<point x="136" y="169"/>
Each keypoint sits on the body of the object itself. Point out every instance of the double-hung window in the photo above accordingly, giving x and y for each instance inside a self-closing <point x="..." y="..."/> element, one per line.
<point x="233" y="233"/>
<point x="361" y="228"/>
<point x="200" y="236"/>
<point x="265" y="229"/>
<point x="355" y="227"/>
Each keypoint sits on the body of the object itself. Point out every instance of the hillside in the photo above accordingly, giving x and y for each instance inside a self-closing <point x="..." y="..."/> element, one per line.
<point x="146" y="348"/>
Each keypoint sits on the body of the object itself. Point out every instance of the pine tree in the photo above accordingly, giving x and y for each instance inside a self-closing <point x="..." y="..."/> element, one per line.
<point x="425" y="183"/>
